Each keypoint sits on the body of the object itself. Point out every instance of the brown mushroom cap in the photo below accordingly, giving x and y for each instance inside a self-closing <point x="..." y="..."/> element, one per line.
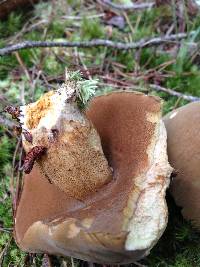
<point x="125" y="218"/>
<point x="183" y="138"/>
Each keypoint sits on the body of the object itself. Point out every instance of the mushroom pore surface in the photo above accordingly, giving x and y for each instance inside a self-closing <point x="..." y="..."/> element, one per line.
<point x="112" y="225"/>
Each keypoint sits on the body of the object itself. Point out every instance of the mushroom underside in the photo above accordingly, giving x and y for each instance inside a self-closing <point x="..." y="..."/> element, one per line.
<point x="125" y="218"/>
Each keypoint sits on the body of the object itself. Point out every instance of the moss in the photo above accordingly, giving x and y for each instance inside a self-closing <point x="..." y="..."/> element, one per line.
<point x="12" y="25"/>
<point x="7" y="64"/>
<point x="14" y="257"/>
<point x="91" y="29"/>
<point x="127" y="59"/>
<point x="5" y="151"/>
<point x="179" y="245"/>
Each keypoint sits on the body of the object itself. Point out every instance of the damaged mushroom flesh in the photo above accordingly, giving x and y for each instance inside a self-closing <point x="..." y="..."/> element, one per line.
<point x="124" y="218"/>
<point x="74" y="161"/>
<point x="183" y="131"/>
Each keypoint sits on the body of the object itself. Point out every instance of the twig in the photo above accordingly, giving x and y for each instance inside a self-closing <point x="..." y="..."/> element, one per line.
<point x="27" y="29"/>
<point x="131" y="87"/>
<point x="82" y="17"/>
<point x="96" y="43"/>
<point x="6" y="230"/>
<point x="128" y="7"/>
<point x="174" y="93"/>
<point x="21" y="63"/>
<point x="84" y="66"/>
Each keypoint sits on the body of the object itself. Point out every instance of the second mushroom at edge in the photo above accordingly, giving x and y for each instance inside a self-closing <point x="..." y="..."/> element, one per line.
<point x="183" y="138"/>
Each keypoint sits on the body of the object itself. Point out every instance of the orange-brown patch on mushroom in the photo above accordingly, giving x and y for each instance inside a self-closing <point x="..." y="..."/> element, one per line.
<point x="37" y="111"/>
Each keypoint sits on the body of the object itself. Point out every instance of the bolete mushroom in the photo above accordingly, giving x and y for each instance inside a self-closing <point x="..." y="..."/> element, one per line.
<point x="123" y="219"/>
<point x="183" y="135"/>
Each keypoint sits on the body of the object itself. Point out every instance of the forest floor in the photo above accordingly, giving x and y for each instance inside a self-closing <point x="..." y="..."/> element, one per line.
<point x="26" y="74"/>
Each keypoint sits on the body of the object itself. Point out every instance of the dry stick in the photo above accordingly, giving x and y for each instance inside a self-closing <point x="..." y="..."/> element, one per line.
<point x="84" y="66"/>
<point x="95" y="43"/>
<point x="174" y="93"/>
<point x="127" y="7"/>
<point x="21" y="63"/>
<point x="6" y="230"/>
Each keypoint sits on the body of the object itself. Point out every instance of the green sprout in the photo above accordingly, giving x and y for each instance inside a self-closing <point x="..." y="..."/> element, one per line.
<point x="85" y="88"/>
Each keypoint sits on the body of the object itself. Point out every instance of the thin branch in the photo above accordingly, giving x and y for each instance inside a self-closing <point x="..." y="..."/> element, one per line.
<point x="128" y="7"/>
<point x="96" y="43"/>
<point x="6" y="230"/>
<point x="82" y="17"/>
<point x="174" y="93"/>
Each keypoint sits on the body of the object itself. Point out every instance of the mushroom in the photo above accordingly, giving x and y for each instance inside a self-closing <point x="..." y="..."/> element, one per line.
<point x="124" y="218"/>
<point x="183" y="135"/>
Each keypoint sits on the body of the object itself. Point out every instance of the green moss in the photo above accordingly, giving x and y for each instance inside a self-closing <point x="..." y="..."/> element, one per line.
<point x="177" y="245"/>
<point x="57" y="29"/>
<point x="4" y="237"/>
<point x="91" y="29"/>
<point x="12" y="25"/>
<point x="52" y="66"/>
<point x="7" y="64"/>
<point x="14" y="256"/>
<point x="6" y="149"/>
<point x="6" y="212"/>
<point x="127" y="59"/>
